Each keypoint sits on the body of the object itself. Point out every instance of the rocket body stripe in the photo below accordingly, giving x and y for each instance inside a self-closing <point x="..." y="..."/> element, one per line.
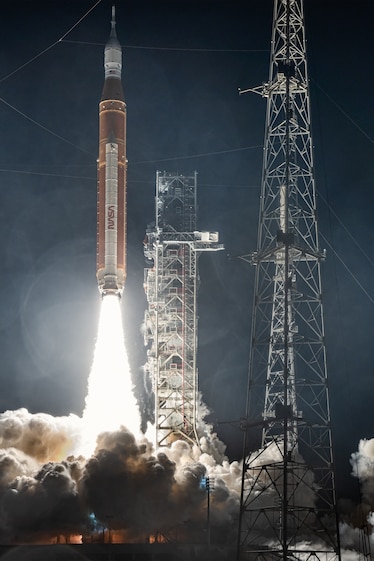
<point x="111" y="173"/>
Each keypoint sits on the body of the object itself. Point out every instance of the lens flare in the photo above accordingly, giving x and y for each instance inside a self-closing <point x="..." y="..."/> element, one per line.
<point x="110" y="401"/>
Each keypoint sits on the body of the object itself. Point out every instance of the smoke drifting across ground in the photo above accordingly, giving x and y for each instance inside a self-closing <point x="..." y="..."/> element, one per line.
<point x="70" y="477"/>
<point x="75" y="479"/>
<point x="122" y="486"/>
<point x="359" y="518"/>
<point x="47" y="492"/>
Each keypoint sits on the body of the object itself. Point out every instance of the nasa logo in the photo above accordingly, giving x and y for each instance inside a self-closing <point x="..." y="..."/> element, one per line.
<point x="110" y="217"/>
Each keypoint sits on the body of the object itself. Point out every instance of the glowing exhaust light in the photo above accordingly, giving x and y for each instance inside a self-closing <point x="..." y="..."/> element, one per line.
<point x="110" y="401"/>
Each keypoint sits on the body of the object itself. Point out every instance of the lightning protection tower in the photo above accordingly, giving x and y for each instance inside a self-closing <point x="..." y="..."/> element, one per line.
<point x="172" y="246"/>
<point x="288" y="504"/>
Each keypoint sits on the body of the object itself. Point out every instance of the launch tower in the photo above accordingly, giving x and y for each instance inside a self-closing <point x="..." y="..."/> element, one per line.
<point x="172" y="247"/>
<point x="288" y="504"/>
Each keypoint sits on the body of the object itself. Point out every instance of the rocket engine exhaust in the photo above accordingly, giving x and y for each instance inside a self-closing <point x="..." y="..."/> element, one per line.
<point x="111" y="174"/>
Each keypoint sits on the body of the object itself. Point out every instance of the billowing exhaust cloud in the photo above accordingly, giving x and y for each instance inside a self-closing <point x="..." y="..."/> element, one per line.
<point x="79" y="478"/>
<point x="124" y="486"/>
<point x="128" y="492"/>
<point x="41" y="436"/>
<point x="97" y="478"/>
<point x="362" y="463"/>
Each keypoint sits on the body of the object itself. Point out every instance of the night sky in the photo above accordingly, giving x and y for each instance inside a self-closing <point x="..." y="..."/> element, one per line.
<point x="183" y="64"/>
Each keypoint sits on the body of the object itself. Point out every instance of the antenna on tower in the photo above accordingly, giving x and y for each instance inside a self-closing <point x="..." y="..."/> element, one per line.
<point x="288" y="499"/>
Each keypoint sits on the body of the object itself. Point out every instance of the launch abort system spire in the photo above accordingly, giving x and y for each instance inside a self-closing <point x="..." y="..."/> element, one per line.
<point x="111" y="173"/>
<point x="288" y="503"/>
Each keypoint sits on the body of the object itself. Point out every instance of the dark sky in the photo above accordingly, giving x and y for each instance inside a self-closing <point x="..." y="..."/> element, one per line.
<point x="183" y="63"/>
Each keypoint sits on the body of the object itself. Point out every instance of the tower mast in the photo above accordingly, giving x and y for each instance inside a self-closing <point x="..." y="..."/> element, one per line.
<point x="172" y="247"/>
<point x="288" y="500"/>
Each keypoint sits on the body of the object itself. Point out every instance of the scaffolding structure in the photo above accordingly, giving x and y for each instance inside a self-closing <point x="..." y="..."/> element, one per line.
<point x="288" y="501"/>
<point x="172" y="247"/>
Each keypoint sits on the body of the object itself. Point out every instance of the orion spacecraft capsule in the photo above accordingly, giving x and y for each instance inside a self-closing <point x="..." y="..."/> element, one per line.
<point x="111" y="174"/>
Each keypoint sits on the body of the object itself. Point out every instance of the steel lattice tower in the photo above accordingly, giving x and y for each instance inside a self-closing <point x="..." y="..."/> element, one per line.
<point x="288" y="502"/>
<point x="172" y="246"/>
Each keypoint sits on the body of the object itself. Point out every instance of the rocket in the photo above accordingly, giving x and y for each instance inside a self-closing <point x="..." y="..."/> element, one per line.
<point x="111" y="174"/>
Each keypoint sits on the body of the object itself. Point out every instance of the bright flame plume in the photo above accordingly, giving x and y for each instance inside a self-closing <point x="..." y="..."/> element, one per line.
<point x="110" y="401"/>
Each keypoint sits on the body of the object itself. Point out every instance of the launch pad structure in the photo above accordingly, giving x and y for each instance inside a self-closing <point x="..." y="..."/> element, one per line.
<point x="172" y="247"/>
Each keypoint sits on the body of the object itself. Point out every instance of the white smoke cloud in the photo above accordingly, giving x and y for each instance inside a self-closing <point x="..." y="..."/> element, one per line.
<point x="362" y="463"/>
<point x="40" y="436"/>
<point x="46" y="491"/>
<point x="357" y="520"/>
<point x="125" y="484"/>
<point x="15" y="463"/>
